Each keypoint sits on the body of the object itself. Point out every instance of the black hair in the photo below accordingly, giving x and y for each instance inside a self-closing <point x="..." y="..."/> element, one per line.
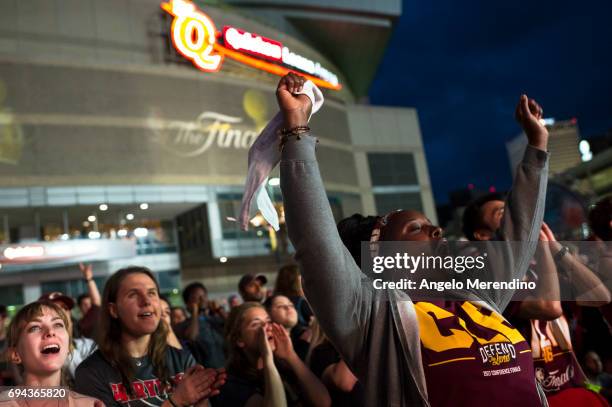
<point x="268" y="302"/>
<point x="81" y="297"/>
<point x="354" y="230"/>
<point x="600" y="217"/>
<point x="3" y="312"/>
<point x="472" y="216"/>
<point x="191" y="288"/>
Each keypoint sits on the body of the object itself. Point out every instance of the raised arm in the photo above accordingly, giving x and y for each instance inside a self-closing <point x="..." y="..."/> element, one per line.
<point x="274" y="392"/>
<point x="332" y="280"/>
<point x="313" y="390"/>
<point x="524" y="210"/>
<point x="590" y="290"/>
<point x="192" y="328"/>
<point x="545" y="303"/>
<point x="92" y="288"/>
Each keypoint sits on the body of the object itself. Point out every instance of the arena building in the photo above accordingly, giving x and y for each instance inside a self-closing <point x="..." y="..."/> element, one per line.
<point x="125" y="126"/>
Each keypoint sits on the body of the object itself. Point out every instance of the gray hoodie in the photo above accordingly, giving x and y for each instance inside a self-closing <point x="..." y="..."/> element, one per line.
<point x="376" y="331"/>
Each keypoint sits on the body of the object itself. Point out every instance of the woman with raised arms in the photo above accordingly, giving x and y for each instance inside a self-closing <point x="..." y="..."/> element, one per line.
<point x="408" y="353"/>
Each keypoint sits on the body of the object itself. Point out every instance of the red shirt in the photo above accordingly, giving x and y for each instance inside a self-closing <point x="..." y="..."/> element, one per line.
<point x="556" y="367"/>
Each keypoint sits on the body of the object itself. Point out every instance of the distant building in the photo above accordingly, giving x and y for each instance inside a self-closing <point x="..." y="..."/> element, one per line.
<point x="593" y="178"/>
<point x="562" y="145"/>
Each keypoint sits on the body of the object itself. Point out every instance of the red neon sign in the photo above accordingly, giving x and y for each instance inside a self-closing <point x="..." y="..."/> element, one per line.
<point x="194" y="36"/>
<point x="243" y="41"/>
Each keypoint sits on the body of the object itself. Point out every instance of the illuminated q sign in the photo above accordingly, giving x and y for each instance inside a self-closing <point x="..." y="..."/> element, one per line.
<point x="195" y="37"/>
<point x="193" y="34"/>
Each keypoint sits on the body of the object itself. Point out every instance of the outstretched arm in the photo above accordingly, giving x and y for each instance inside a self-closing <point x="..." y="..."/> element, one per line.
<point x="315" y="392"/>
<point x="94" y="293"/>
<point x="591" y="291"/>
<point x="545" y="304"/>
<point x="332" y="280"/>
<point x="522" y="220"/>
<point x="192" y="329"/>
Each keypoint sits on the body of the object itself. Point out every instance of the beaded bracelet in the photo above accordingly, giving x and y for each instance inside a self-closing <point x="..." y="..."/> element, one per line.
<point x="294" y="131"/>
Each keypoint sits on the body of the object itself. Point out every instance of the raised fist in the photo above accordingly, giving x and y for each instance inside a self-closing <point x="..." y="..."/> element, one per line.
<point x="86" y="270"/>
<point x="529" y="115"/>
<point x="295" y="108"/>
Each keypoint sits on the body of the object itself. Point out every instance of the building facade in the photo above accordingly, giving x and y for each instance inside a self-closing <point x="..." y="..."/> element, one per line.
<point x="120" y="147"/>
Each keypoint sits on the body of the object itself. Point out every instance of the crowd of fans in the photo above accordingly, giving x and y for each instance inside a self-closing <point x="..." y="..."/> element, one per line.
<point x="266" y="346"/>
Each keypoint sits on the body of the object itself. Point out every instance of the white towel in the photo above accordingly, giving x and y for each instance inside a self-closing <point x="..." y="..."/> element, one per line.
<point x="264" y="155"/>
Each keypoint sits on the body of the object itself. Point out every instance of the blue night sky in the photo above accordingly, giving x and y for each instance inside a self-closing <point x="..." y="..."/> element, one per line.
<point x="463" y="65"/>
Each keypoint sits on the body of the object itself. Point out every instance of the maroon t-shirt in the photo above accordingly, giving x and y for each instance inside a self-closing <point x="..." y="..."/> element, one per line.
<point x="556" y="367"/>
<point x="473" y="357"/>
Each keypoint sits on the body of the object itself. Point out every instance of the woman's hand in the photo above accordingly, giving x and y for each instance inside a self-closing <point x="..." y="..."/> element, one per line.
<point x="528" y="114"/>
<point x="284" y="347"/>
<point x="265" y="350"/>
<point x="86" y="270"/>
<point x="295" y="108"/>
<point x="555" y="246"/>
<point x="197" y="384"/>
<point x="220" y="379"/>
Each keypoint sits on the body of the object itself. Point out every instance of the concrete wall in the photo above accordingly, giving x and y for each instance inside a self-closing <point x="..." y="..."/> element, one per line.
<point x="388" y="130"/>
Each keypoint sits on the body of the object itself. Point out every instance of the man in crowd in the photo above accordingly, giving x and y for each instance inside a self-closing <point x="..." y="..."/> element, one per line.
<point x="540" y="317"/>
<point x="252" y="287"/>
<point x="203" y="330"/>
<point x="600" y="381"/>
<point x="84" y="303"/>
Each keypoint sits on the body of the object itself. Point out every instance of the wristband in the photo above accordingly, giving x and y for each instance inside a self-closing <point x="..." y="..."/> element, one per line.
<point x="294" y="130"/>
<point x="89" y="279"/>
<point x="561" y="253"/>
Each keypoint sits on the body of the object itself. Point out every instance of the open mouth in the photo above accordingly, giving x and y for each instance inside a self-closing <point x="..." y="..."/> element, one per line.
<point x="145" y="315"/>
<point x="50" y="349"/>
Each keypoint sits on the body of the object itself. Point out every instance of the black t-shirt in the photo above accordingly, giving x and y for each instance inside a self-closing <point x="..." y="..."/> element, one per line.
<point x="299" y="345"/>
<point x="236" y="392"/>
<point x="238" y="389"/>
<point x="95" y="377"/>
<point x="325" y="355"/>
